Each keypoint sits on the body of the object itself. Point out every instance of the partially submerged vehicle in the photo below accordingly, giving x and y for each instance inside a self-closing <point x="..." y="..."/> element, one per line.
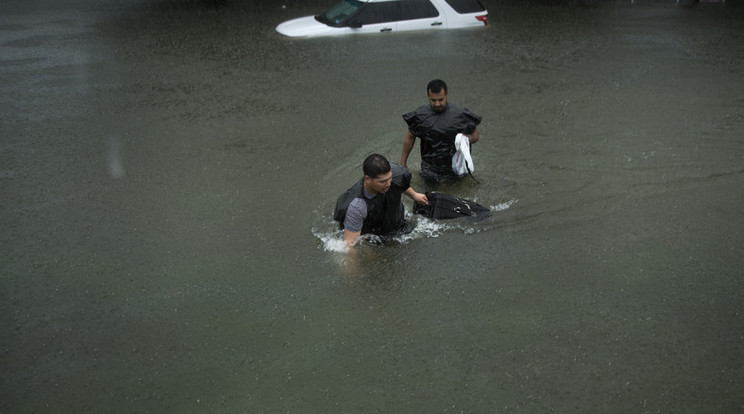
<point x="375" y="16"/>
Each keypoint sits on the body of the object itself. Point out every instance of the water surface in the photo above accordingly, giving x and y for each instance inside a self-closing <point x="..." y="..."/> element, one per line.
<point x="169" y="170"/>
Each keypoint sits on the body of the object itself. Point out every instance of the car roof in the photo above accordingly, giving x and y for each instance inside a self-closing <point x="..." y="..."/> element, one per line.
<point x="451" y="3"/>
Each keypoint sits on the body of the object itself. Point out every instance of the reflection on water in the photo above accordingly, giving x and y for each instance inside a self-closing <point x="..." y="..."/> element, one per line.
<point x="169" y="170"/>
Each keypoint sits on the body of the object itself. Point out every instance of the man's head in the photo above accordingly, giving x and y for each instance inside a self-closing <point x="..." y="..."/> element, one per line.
<point x="437" y="93"/>
<point x="377" y="174"/>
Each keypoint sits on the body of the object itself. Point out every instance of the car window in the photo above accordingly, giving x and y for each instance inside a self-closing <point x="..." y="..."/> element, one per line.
<point x="371" y="13"/>
<point x="466" y="6"/>
<point x="417" y="9"/>
<point x="393" y="11"/>
<point x="336" y="15"/>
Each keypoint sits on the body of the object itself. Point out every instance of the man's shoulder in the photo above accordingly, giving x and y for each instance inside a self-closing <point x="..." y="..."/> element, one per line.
<point x="398" y="169"/>
<point x="421" y="110"/>
<point x="401" y="177"/>
<point x="421" y="115"/>
<point x="358" y="204"/>
<point x="425" y="109"/>
<point x="459" y="110"/>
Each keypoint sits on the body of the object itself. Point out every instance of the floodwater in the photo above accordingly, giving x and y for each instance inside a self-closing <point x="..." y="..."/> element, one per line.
<point x="169" y="169"/>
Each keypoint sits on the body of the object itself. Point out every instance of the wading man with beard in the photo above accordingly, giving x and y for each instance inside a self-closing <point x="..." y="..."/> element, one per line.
<point x="373" y="204"/>
<point x="437" y="124"/>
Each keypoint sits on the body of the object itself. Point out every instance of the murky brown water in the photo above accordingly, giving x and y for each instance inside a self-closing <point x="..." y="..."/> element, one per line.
<point x="168" y="171"/>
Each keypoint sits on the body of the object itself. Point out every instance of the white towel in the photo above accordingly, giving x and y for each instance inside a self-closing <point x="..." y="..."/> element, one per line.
<point x="462" y="161"/>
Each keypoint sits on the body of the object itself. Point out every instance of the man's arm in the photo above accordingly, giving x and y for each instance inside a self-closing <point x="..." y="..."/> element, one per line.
<point x="408" y="142"/>
<point x="356" y="212"/>
<point x="350" y="237"/>
<point x="417" y="197"/>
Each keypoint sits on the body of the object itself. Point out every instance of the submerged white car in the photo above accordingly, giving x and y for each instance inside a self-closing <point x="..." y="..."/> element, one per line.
<point x="374" y="16"/>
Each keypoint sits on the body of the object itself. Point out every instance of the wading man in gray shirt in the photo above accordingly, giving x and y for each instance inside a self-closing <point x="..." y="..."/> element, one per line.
<point x="373" y="204"/>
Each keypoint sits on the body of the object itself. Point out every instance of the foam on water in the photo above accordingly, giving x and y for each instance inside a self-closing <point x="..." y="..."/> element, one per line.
<point x="332" y="242"/>
<point x="505" y="205"/>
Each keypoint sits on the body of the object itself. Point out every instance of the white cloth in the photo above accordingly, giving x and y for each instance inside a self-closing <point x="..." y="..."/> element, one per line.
<point x="462" y="161"/>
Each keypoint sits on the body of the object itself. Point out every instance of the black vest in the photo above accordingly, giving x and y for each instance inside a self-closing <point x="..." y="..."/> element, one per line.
<point x="385" y="212"/>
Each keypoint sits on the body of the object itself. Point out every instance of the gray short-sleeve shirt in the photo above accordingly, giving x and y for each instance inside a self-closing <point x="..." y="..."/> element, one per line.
<point x="356" y="213"/>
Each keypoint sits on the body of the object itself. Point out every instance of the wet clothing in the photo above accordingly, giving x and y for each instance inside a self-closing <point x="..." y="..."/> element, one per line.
<point x="382" y="214"/>
<point x="437" y="131"/>
<point x="356" y="213"/>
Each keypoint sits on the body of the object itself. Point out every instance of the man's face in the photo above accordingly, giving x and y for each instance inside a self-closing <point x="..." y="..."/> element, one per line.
<point x="438" y="100"/>
<point x="379" y="184"/>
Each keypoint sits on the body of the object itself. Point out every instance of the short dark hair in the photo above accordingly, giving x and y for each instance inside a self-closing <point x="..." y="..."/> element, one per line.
<point x="375" y="165"/>
<point x="436" y="86"/>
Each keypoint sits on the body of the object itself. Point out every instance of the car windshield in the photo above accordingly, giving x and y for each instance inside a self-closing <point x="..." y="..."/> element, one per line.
<point x="338" y="13"/>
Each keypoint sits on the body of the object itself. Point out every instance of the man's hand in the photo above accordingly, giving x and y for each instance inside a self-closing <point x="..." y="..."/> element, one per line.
<point x="474" y="137"/>
<point x="419" y="198"/>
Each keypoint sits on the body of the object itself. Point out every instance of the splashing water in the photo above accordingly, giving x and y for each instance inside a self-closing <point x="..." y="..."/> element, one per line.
<point x="332" y="239"/>
<point x="505" y="205"/>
